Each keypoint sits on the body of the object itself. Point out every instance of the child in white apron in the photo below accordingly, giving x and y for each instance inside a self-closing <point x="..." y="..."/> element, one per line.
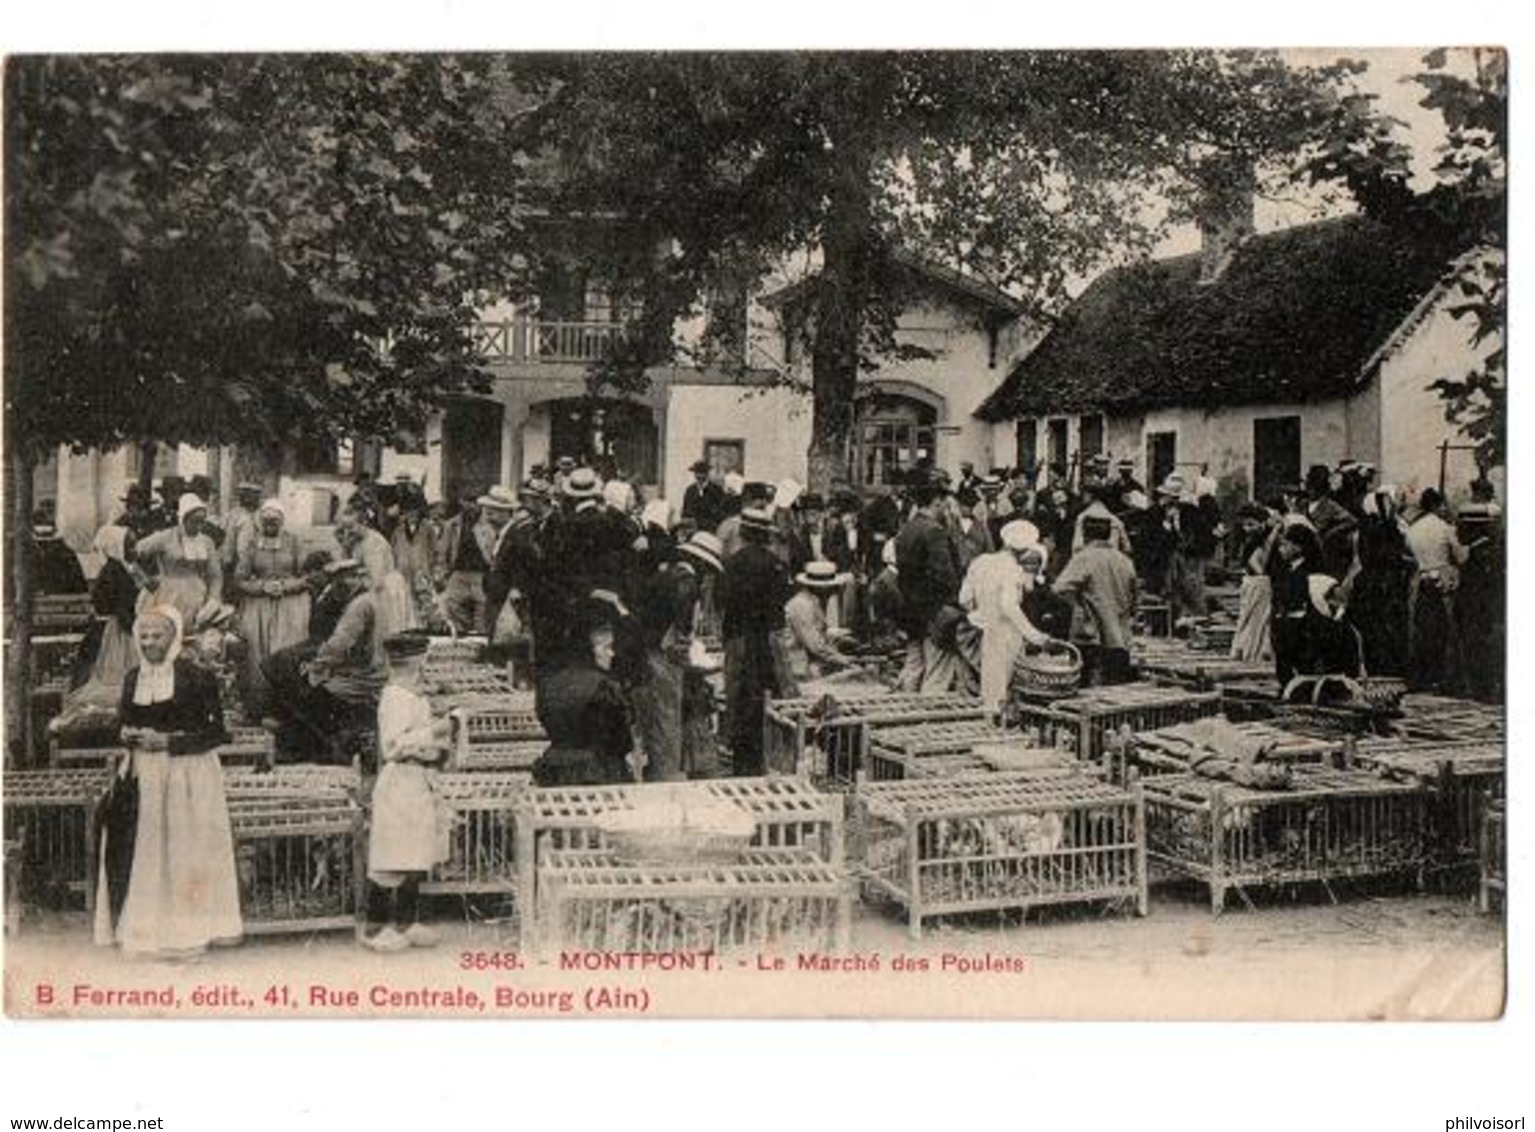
<point x="405" y="839"/>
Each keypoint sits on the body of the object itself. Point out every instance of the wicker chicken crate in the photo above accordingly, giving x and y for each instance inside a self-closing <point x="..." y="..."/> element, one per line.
<point x="1249" y="698"/>
<point x="84" y="758"/>
<point x="299" y="865"/>
<point x="483" y="842"/>
<point x="496" y="722"/>
<point x="1493" y="854"/>
<point x="54" y="656"/>
<point x="1088" y="721"/>
<point x="769" y="900"/>
<point x="296" y="780"/>
<point x="1460" y="779"/>
<point x="1330" y="825"/>
<point x="62" y="613"/>
<point x="455" y="650"/>
<point x="1166" y="752"/>
<point x="53" y="813"/>
<point x="1173" y="662"/>
<point x="516" y="755"/>
<point x="789" y="812"/>
<point x="1448" y="719"/>
<point x="937" y="748"/>
<point x="456" y="684"/>
<point x="248" y="747"/>
<point x="829" y="734"/>
<point x="1011" y="840"/>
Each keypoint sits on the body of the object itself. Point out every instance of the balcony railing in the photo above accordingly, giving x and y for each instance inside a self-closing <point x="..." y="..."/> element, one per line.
<point x="540" y="341"/>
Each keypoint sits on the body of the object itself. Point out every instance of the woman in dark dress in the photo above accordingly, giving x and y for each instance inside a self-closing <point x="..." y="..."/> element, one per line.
<point x="582" y="708"/>
<point x="181" y="892"/>
<point x="1377" y="605"/>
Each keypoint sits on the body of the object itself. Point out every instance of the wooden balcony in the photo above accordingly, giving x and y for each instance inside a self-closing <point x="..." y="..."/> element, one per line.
<point x="542" y="342"/>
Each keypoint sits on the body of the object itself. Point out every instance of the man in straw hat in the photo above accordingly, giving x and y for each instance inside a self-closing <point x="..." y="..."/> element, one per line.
<point x="753" y="590"/>
<point x="993" y="592"/>
<point x="1100" y="578"/>
<point x="812" y="650"/>
<point x="668" y="616"/>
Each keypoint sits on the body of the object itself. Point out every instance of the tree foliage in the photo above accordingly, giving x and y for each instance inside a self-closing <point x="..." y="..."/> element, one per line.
<point x="217" y="249"/>
<point x="1026" y="169"/>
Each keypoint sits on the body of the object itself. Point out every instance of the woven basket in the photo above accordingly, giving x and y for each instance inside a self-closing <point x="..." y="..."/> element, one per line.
<point x="1048" y="675"/>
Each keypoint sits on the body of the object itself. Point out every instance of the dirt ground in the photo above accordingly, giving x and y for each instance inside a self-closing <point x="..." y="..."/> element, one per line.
<point x="1301" y="954"/>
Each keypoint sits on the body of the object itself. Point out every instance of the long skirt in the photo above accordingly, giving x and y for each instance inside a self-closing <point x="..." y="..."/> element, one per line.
<point x="1436" y="663"/>
<point x="657" y="701"/>
<point x="269" y="625"/>
<point x="1378" y="610"/>
<point x="1001" y="645"/>
<point x="114" y="657"/>
<point x="183" y="893"/>
<point x="1253" y="640"/>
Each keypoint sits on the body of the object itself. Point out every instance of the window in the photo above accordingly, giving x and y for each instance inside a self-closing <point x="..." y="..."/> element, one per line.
<point x="725" y="456"/>
<point x="1055" y="441"/>
<point x="1161" y="456"/>
<point x="1090" y="431"/>
<point x="1028" y="444"/>
<point x="345" y="458"/>
<point x="1276" y="455"/>
<point x="893" y="434"/>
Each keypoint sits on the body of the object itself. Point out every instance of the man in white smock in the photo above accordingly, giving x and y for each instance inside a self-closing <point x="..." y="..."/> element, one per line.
<point x="993" y="592"/>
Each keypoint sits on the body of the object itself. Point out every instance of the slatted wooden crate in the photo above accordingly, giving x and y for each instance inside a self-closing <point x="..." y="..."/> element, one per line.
<point x="1449" y="719"/>
<point x="84" y="758"/>
<point x="14" y="880"/>
<point x="1460" y="778"/>
<point x="294" y="780"/>
<point x="939" y="748"/>
<point x="1249" y="697"/>
<point x="455" y="650"/>
<point x="53" y="812"/>
<point x="1013" y="840"/>
<point x="789" y="812"/>
<point x="483" y="843"/>
<point x="1153" y="617"/>
<point x="828" y="734"/>
<point x="299" y="864"/>
<point x="1087" y="721"/>
<point x="62" y="613"/>
<point x="517" y="755"/>
<point x="1170" y="661"/>
<point x="500" y="721"/>
<point x="1493" y="855"/>
<point x="769" y="900"/>
<point x="248" y="747"/>
<point x="1164" y="751"/>
<point x="1331" y="825"/>
<point x="54" y="657"/>
<point x="456" y="685"/>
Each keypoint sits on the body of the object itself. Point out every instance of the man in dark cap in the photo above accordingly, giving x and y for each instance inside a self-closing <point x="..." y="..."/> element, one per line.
<point x="138" y="511"/>
<point x="703" y="503"/>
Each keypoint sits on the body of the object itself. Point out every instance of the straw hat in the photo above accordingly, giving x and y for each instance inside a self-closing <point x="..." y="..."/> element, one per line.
<point x="820" y="576"/>
<point x="756" y="519"/>
<point x="498" y="497"/>
<point x="706" y="548"/>
<point x="583" y="484"/>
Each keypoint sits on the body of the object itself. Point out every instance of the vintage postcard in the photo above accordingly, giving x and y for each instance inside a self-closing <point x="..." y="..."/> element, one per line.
<point x="923" y="534"/>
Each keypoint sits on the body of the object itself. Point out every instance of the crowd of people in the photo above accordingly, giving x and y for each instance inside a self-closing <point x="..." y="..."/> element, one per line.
<point x="602" y="602"/>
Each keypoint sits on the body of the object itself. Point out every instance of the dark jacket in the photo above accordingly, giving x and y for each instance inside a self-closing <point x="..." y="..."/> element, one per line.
<point x="704" y="505"/>
<point x="927" y="563"/>
<point x="582" y="709"/>
<point x="115" y="594"/>
<point x="192" y="717"/>
<point x="752" y="592"/>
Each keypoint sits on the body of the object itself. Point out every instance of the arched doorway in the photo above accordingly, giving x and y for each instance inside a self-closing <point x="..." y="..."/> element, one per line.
<point x="615" y="437"/>
<point x="893" y="431"/>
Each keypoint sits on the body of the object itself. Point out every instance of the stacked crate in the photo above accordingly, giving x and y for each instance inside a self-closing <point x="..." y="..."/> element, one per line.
<point x="52" y="814"/>
<point x="943" y="748"/>
<point x="1460" y="779"/>
<point x="789" y="813"/>
<point x="1448" y="719"/>
<point x="299" y="862"/>
<point x="828" y="734"/>
<point x="1329" y="825"/>
<point x="1173" y="662"/>
<point x="1166" y="751"/>
<point x="771" y="899"/>
<point x="498" y="733"/>
<point x="482" y="855"/>
<point x="1007" y="841"/>
<point x="1088" y="721"/>
<point x="1493" y="854"/>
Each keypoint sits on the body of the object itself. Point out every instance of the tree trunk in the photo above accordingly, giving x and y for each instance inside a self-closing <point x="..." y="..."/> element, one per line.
<point x="21" y="743"/>
<point x="842" y="292"/>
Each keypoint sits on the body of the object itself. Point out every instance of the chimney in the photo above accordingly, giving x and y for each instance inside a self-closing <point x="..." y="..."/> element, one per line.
<point x="1224" y="213"/>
